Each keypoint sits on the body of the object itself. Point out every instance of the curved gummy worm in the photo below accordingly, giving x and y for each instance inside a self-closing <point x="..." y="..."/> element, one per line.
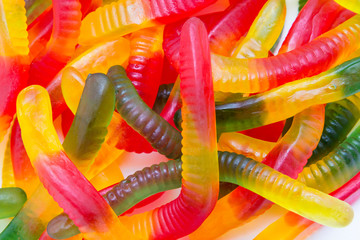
<point x="340" y="118"/>
<point x="200" y="184"/>
<point x="224" y="29"/>
<point x="291" y="225"/>
<point x="40" y="30"/>
<point x="166" y="176"/>
<point x="258" y="75"/>
<point x="264" y="31"/>
<point x="119" y="18"/>
<point x="162" y="97"/>
<point x="241" y="144"/>
<point x="11" y="201"/>
<point x="13" y="58"/>
<point x="13" y="28"/>
<point x="137" y="114"/>
<point x="289" y="99"/>
<point x="89" y="127"/>
<point x="145" y="62"/>
<point x="61" y="46"/>
<point x="97" y="59"/>
<point x="288" y="156"/>
<point x="58" y="174"/>
<point x="316" y="18"/>
<point x="353" y="5"/>
<point x="337" y="167"/>
<point x="144" y="71"/>
<point x="124" y="195"/>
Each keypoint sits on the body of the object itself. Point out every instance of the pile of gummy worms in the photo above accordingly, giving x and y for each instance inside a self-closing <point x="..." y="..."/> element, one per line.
<point x="241" y="127"/>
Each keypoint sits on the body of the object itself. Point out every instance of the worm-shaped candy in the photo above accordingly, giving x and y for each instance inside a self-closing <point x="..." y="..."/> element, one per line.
<point x="119" y="18"/>
<point x="241" y="144"/>
<point x="58" y="174"/>
<point x="337" y="167"/>
<point x="11" y="201"/>
<point x="61" y="46"/>
<point x="13" y="58"/>
<point x="314" y="19"/>
<point x="224" y="29"/>
<point x="200" y="184"/>
<point x="87" y="132"/>
<point x="291" y="225"/>
<point x="163" y="176"/>
<point x="144" y="71"/>
<point x="124" y="195"/>
<point x="89" y="127"/>
<point x="257" y="75"/>
<point x="137" y="114"/>
<point x="353" y="5"/>
<point x="264" y="31"/>
<point x="287" y="100"/>
<point x="340" y="118"/>
<point x="97" y="59"/>
<point x="40" y="30"/>
<point x="288" y="157"/>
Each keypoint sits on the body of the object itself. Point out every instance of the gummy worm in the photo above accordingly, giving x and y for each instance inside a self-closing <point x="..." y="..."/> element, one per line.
<point x="315" y="18"/>
<point x="161" y="177"/>
<point x="89" y="127"/>
<point x="144" y="71"/>
<point x="224" y="29"/>
<point x="291" y="225"/>
<point x="258" y="75"/>
<point x="287" y="100"/>
<point x="340" y="118"/>
<point x="14" y="63"/>
<point x="138" y="115"/>
<point x="288" y="157"/>
<point x="264" y="31"/>
<point x="51" y="164"/>
<point x="337" y="167"/>
<point x="241" y="144"/>
<point x="61" y="46"/>
<point x="118" y="18"/>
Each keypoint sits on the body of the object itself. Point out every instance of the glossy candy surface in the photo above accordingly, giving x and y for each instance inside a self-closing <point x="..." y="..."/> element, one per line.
<point x="11" y="200"/>
<point x="288" y="156"/>
<point x="14" y="63"/>
<point x="89" y="127"/>
<point x="264" y="31"/>
<point x="200" y="173"/>
<point x="144" y="71"/>
<point x="136" y="14"/>
<point x="52" y="164"/>
<point x="62" y="151"/>
<point x="256" y="75"/>
<point x="61" y="46"/>
<point x="289" y="99"/>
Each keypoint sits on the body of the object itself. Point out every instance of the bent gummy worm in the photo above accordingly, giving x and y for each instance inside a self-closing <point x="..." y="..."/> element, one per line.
<point x="58" y="173"/>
